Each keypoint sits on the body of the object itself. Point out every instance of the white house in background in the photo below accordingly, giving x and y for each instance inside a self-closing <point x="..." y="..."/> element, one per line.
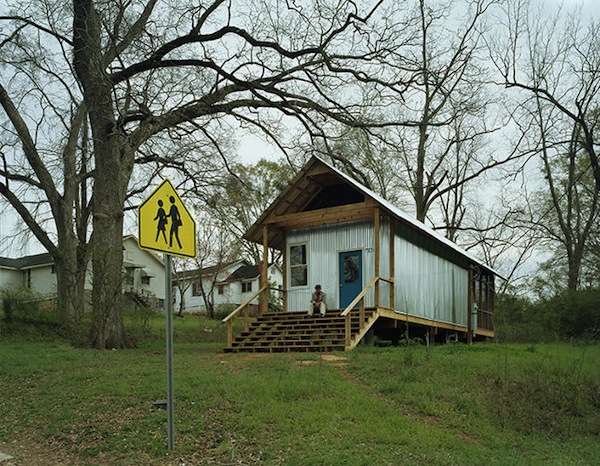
<point x="36" y="272"/>
<point x="232" y="283"/>
<point x="144" y="272"/>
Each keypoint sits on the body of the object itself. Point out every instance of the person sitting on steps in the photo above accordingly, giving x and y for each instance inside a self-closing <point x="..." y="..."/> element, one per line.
<point x="317" y="302"/>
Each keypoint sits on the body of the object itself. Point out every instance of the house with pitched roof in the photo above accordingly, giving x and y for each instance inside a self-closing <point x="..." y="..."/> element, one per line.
<point x="222" y="285"/>
<point x="143" y="271"/>
<point x="385" y="273"/>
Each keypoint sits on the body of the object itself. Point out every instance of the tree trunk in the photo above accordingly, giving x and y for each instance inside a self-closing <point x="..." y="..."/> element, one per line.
<point x="70" y="287"/>
<point x="113" y="158"/>
<point x="110" y="184"/>
<point x="574" y="263"/>
<point x="182" y="301"/>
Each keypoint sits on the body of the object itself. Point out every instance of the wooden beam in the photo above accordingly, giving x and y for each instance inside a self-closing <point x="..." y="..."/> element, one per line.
<point x="470" y="306"/>
<point x="264" y="302"/>
<point x="285" y="273"/>
<point x="376" y="221"/>
<point x="330" y="215"/>
<point x="485" y="332"/>
<point x="392" y="262"/>
<point x="420" y="320"/>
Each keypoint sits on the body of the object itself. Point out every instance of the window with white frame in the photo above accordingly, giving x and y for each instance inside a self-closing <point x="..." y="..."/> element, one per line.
<point x="298" y="265"/>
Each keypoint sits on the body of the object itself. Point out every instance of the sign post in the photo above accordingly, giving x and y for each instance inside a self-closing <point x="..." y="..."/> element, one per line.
<point x="153" y="223"/>
<point x="169" y="335"/>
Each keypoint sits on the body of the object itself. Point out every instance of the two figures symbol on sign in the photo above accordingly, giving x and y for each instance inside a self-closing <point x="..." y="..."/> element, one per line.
<point x="162" y="218"/>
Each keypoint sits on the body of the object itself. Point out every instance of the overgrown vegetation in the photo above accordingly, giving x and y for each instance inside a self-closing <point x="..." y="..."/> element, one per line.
<point x="454" y="404"/>
<point x="565" y="316"/>
<point x="487" y="403"/>
<point x="27" y="313"/>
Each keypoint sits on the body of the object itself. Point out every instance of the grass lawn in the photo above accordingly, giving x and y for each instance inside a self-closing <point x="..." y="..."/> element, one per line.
<point x="454" y="404"/>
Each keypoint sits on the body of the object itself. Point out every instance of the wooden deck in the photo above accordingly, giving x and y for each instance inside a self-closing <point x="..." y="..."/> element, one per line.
<point x="294" y="331"/>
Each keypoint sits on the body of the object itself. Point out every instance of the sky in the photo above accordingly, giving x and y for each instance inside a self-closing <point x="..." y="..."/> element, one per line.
<point x="251" y="148"/>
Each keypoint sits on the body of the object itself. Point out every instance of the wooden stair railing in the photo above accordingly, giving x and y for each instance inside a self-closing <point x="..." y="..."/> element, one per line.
<point x="244" y="306"/>
<point x="347" y="313"/>
<point x="351" y="332"/>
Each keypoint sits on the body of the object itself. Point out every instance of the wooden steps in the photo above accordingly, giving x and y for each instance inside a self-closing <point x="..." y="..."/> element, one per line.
<point x="294" y="331"/>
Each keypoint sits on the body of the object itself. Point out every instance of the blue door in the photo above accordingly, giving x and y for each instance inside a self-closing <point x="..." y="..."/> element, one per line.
<point x="350" y="273"/>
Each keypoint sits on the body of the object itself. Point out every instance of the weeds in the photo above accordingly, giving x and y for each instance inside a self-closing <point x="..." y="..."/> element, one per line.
<point x="443" y="404"/>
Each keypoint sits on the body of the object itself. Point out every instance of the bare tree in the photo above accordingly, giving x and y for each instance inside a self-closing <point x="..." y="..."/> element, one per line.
<point x="47" y="184"/>
<point x="217" y="248"/>
<point x="553" y="60"/>
<point x="140" y="69"/>
<point x="444" y="105"/>
<point x="242" y="198"/>
<point x="555" y="57"/>
<point x="431" y="123"/>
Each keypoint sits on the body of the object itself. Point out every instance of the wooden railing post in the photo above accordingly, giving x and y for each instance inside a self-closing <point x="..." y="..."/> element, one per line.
<point x="246" y="307"/>
<point x="229" y="333"/>
<point x="377" y="222"/>
<point x="348" y="331"/>
<point x="264" y="273"/>
<point x="247" y="318"/>
<point x="361" y="313"/>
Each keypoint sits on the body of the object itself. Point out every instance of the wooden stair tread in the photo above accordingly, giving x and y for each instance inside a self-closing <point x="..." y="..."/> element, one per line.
<point x="294" y="331"/>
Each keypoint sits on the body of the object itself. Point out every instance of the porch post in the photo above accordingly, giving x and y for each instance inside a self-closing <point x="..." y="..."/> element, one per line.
<point x="392" y="263"/>
<point x="377" y="254"/>
<point x="285" y="275"/>
<point x="264" y="280"/>
<point x="470" y="307"/>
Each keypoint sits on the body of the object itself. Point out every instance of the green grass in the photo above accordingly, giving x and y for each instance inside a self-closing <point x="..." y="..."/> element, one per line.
<point x="487" y="404"/>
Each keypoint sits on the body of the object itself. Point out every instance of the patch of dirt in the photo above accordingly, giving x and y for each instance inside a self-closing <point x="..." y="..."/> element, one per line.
<point x="333" y="357"/>
<point x="336" y="360"/>
<point x="27" y="452"/>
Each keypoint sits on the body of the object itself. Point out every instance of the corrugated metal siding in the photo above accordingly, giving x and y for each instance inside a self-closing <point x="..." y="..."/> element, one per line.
<point x="323" y="247"/>
<point x="428" y="286"/>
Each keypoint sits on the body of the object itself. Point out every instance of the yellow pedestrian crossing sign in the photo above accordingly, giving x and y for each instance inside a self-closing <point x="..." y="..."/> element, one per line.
<point x="165" y="224"/>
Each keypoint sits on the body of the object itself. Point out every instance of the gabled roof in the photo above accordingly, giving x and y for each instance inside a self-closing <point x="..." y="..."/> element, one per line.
<point x="27" y="262"/>
<point x="211" y="270"/>
<point x="45" y="259"/>
<point x="319" y="185"/>
<point x="246" y="272"/>
<point x="156" y="257"/>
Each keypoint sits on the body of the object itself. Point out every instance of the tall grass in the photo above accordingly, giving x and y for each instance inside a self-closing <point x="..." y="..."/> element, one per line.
<point x="452" y="404"/>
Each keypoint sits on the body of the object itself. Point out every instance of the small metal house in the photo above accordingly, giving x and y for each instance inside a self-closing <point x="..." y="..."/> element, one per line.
<point x="366" y="253"/>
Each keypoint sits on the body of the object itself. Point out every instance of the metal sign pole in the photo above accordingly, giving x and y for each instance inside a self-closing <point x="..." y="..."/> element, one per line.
<point x="169" y="315"/>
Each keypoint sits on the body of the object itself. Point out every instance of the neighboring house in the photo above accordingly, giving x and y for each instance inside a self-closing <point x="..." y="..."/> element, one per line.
<point x="231" y="283"/>
<point x="335" y="232"/>
<point x="144" y="272"/>
<point x="36" y="272"/>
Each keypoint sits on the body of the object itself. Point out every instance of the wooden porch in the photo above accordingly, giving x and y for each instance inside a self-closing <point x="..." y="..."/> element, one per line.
<point x="338" y="330"/>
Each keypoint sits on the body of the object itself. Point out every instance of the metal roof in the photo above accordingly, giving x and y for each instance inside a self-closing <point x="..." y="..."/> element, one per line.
<point x="317" y="175"/>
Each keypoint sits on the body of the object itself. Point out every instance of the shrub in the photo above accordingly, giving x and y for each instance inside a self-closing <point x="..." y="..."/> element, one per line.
<point x="20" y="304"/>
<point x="573" y="314"/>
<point x="570" y="314"/>
<point x="223" y="310"/>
